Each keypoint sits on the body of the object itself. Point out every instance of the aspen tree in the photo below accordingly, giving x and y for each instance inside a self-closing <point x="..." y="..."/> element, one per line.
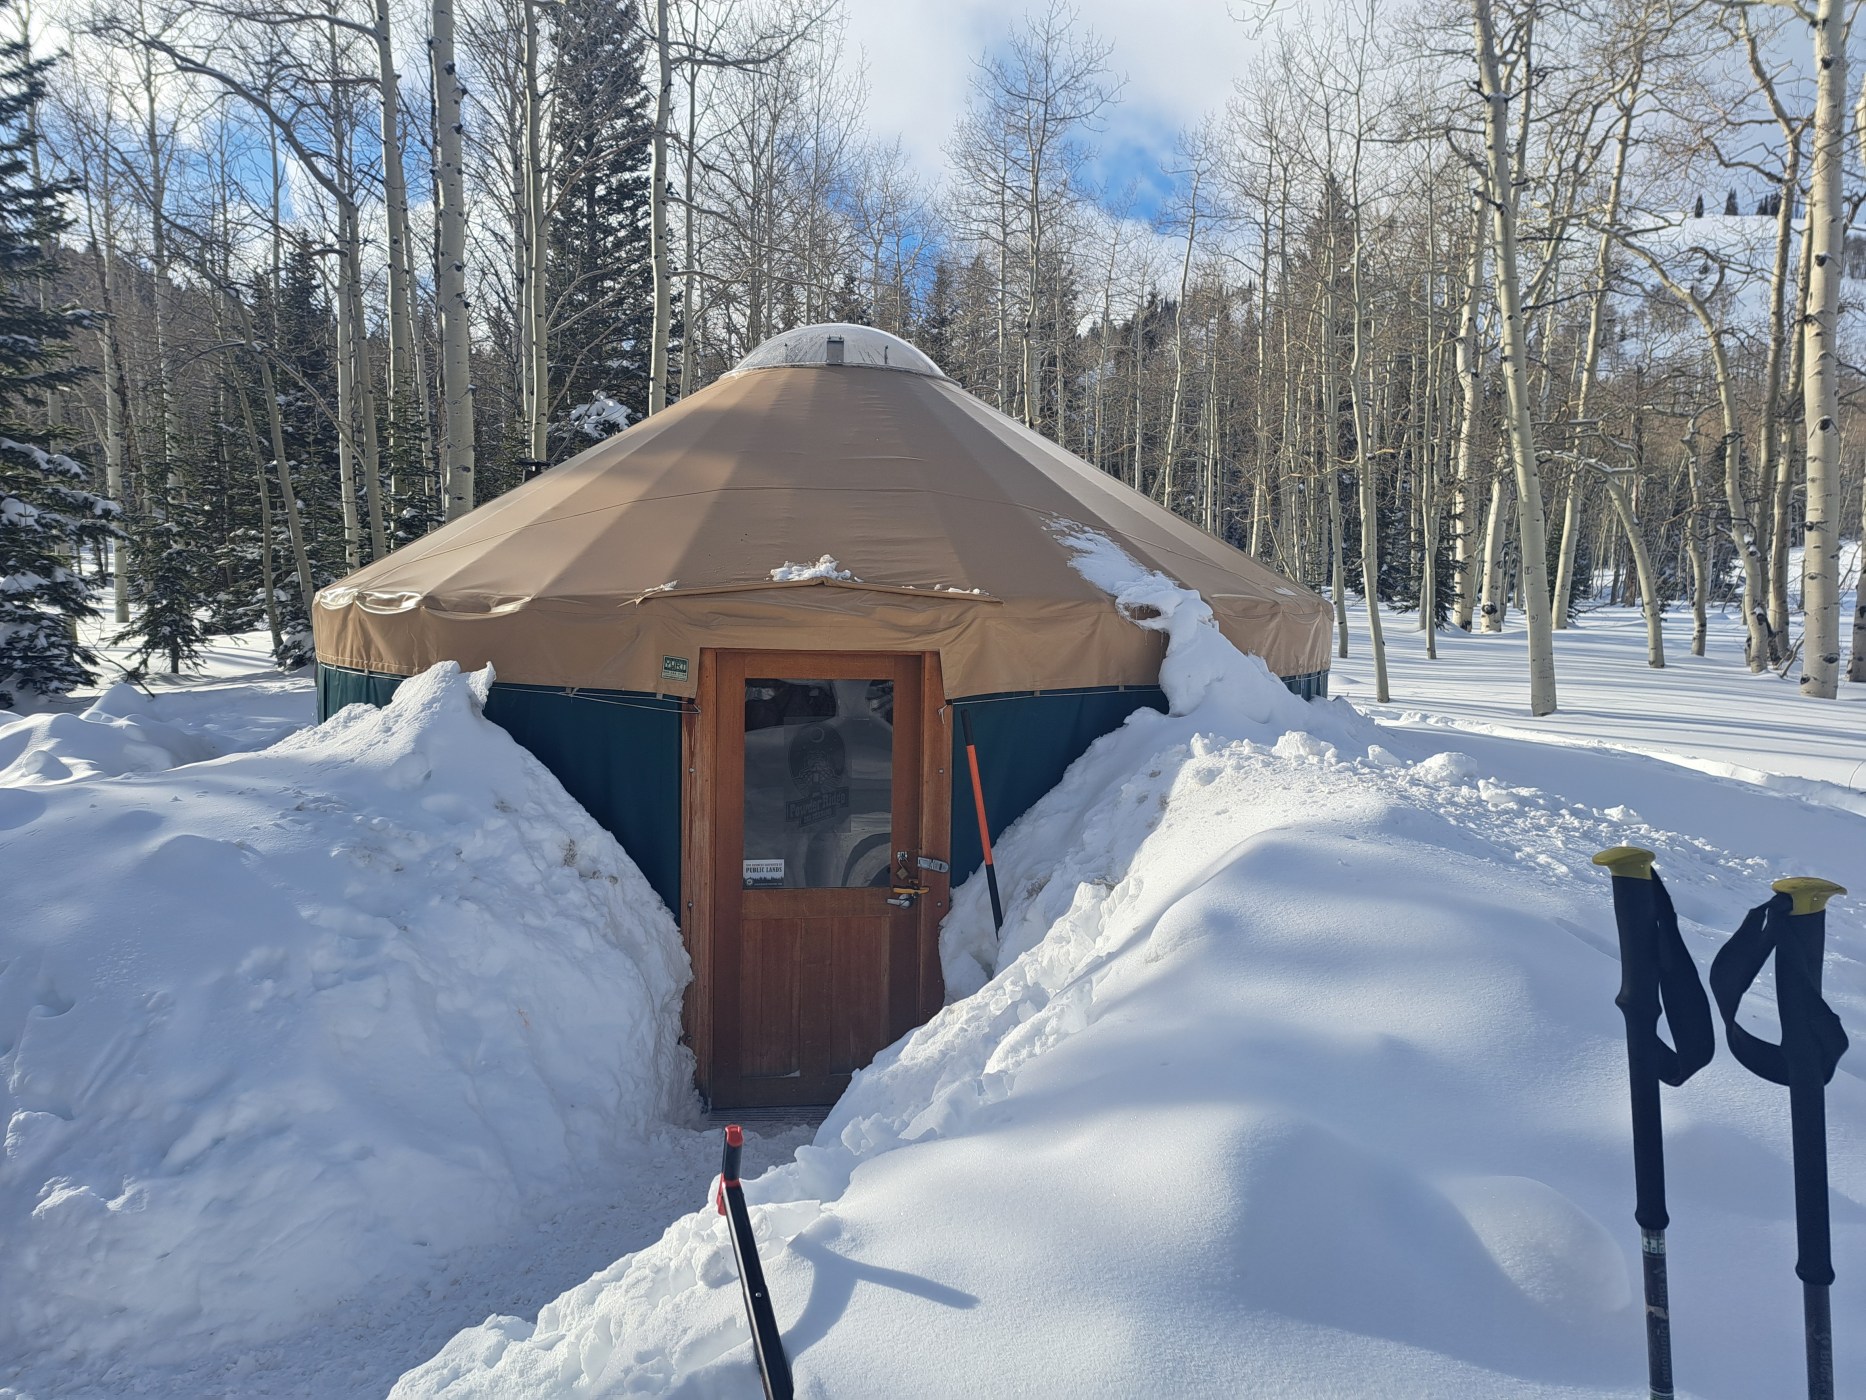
<point x="1856" y="667"/>
<point x="1502" y="194"/>
<point x="535" y="307"/>
<point x="1826" y="235"/>
<point x="450" y="275"/>
<point x="1181" y="314"/>
<point x="1358" y="372"/>
<point x="1470" y="367"/>
<point x="1730" y="445"/>
<point x="1628" y="99"/>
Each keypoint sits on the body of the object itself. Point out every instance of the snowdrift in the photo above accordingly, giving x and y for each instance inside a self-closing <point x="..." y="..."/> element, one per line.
<point x="283" y="1031"/>
<point x="118" y="734"/>
<point x="1297" y="1073"/>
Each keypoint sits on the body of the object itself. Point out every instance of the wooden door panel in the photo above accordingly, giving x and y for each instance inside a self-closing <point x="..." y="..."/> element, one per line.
<point x="808" y="982"/>
<point x="769" y="960"/>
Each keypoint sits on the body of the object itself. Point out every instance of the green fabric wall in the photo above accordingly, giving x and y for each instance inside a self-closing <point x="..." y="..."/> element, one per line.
<point x="1025" y="742"/>
<point x="618" y="753"/>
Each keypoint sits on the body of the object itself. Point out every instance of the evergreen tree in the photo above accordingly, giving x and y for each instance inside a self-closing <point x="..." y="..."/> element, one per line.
<point x="939" y="316"/>
<point x="304" y="349"/>
<point x="600" y="279"/>
<point x="849" y="306"/>
<point x="166" y="589"/>
<point x="46" y="511"/>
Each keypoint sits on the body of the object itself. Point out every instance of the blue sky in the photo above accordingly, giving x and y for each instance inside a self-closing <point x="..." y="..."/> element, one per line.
<point x="1178" y="60"/>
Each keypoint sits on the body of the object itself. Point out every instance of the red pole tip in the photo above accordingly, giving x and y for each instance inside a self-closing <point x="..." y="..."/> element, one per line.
<point x="735" y="1135"/>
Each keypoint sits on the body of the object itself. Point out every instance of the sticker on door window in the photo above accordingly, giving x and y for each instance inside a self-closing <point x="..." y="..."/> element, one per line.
<point x="819" y="779"/>
<point x="759" y="873"/>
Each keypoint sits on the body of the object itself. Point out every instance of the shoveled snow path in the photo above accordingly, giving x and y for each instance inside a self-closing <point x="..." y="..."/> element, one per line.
<point x="357" y="1352"/>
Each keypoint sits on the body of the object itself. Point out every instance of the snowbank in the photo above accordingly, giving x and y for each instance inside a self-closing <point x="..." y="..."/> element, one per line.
<point x="1299" y="1074"/>
<point x="118" y="734"/>
<point x="126" y="730"/>
<point x="282" y="1032"/>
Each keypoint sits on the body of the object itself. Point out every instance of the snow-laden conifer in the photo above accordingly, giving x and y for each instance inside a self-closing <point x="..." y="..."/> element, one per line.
<point x="47" y="511"/>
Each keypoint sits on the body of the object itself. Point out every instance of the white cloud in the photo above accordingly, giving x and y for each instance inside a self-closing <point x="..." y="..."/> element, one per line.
<point x="1179" y="59"/>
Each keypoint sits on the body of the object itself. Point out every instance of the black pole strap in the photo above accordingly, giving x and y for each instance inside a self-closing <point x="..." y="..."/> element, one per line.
<point x="1797" y="993"/>
<point x="1813" y="1040"/>
<point x="1686" y="1009"/>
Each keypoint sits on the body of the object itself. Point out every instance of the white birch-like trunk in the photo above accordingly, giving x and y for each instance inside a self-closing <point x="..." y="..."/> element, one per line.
<point x="1491" y="603"/>
<point x="1470" y="383"/>
<point x="1515" y="365"/>
<point x="450" y="276"/>
<point x="1364" y="472"/>
<point x="402" y="379"/>
<point x="1331" y="449"/>
<point x="536" y="310"/>
<point x="114" y="395"/>
<point x="1696" y="528"/>
<point x="1175" y="413"/>
<point x="689" y="343"/>
<point x="1856" y="668"/>
<point x="346" y="435"/>
<point x="1033" y="412"/>
<point x="1590" y="355"/>
<point x="294" y="523"/>
<point x="362" y="383"/>
<point x="1821" y="368"/>
<point x="1649" y="603"/>
<point x="1743" y="531"/>
<point x="1360" y="410"/>
<point x="657" y="211"/>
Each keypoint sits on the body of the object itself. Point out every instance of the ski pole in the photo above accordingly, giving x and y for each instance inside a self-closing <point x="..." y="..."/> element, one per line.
<point x="1656" y="972"/>
<point x="984" y="827"/>
<point x="1793" y="926"/>
<point x="767" y="1340"/>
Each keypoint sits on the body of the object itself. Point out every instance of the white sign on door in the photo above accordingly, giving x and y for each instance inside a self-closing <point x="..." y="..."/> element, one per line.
<point x="763" y="873"/>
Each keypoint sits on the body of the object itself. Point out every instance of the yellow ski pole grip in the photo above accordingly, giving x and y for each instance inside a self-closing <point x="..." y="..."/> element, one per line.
<point x="1627" y="862"/>
<point x="1810" y="893"/>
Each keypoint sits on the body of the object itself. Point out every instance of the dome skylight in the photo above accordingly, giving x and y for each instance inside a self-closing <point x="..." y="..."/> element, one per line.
<point x="836" y="343"/>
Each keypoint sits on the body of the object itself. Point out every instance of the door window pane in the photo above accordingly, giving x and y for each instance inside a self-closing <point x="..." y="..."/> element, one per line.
<point x="819" y="783"/>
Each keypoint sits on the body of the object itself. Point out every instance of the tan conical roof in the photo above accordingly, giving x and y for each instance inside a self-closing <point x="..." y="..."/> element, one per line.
<point x="663" y="540"/>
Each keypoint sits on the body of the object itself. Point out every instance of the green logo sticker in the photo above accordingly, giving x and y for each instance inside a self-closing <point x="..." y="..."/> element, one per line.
<point x="674" y="668"/>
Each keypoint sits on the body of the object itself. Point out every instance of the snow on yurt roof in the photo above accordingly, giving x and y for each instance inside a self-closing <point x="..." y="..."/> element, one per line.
<point x="838" y="343"/>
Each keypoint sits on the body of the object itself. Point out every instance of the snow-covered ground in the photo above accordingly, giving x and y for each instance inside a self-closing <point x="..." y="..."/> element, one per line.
<point x="235" y="701"/>
<point x="1707" y="712"/>
<point x="1297" y="1072"/>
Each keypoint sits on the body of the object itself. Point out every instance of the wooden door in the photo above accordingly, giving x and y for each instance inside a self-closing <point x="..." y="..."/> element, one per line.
<point x="824" y="920"/>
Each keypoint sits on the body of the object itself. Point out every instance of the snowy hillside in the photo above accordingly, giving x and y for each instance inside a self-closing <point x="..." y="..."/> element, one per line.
<point x="1299" y="1075"/>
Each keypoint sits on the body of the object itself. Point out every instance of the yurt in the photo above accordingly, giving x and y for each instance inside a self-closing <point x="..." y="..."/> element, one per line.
<point x="743" y="632"/>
